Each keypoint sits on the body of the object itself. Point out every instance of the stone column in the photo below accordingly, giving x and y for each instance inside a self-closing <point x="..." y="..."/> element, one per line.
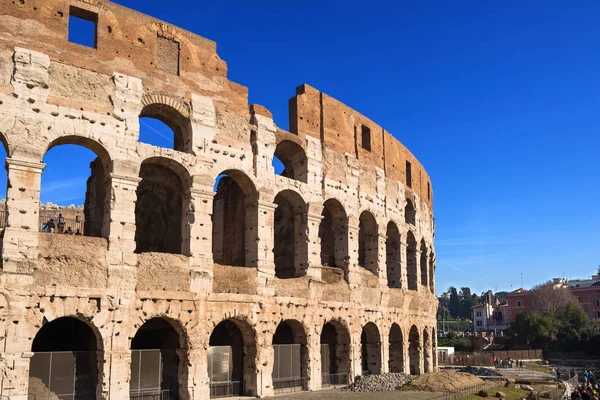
<point x="385" y="352"/>
<point x="355" y="355"/>
<point x="314" y="366"/>
<point x="418" y="262"/>
<point x="406" y="353"/>
<point x="354" y="278"/>
<point x="199" y="245"/>
<point x="381" y="259"/>
<point x="426" y="283"/>
<point x="15" y="368"/>
<point x="260" y="234"/>
<point x="265" y="357"/>
<point x="119" y="373"/>
<point x="20" y="244"/>
<point x="403" y="265"/>
<point x="313" y="219"/>
<point x="122" y="259"/>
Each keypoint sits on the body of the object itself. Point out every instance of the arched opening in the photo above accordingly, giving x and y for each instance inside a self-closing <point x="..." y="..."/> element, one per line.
<point x="74" y="202"/>
<point x="231" y="355"/>
<point x="411" y="261"/>
<point x="335" y="351"/>
<point x="160" y="208"/>
<point x="156" y="368"/>
<point x="414" y="351"/>
<point x="427" y="364"/>
<point x="333" y="233"/>
<point x="370" y="350"/>
<point x="164" y="126"/>
<point x="396" y="349"/>
<point x="290" y="161"/>
<point x="65" y="361"/>
<point x="410" y="213"/>
<point x="235" y="214"/>
<point x="290" y="247"/>
<point x="424" y="273"/>
<point x="431" y="272"/>
<point x="368" y="242"/>
<point x="290" y="366"/>
<point x="392" y="256"/>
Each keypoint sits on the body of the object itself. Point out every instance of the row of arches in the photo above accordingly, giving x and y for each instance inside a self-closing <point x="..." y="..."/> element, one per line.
<point x="162" y="222"/>
<point x="68" y="357"/>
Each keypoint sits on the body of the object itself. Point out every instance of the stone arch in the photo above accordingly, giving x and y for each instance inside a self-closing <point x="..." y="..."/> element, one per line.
<point x="370" y="349"/>
<point x="290" y="366"/>
<point x="172" y="113"/>
<point x="392" y="256"/>
<point x="414" y="351"/>
<point x="159" y="341"/>
<point x="67" y="358"/>
<point x="411" y="261"/>
<point x="232" y="359"/>
<point x="235" y="213"/>
<point x="95" y="220"/>
<point x="410" y="213"/>
<point x="335" y="353"/>
<point x="7" y="146"/>
<point x="368" y="242"/>
<point x="294" y="160"/>
<point x="161" y="207"/>
<point x="290" y="246"/>
<point x="427" y="362"/>
<point x="423" y="264"/>
<point x="333" y="233"/>
<point x="396" y="362"/>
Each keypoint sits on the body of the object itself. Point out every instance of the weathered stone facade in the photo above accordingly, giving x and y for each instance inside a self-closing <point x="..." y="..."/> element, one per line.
<point x="340" y="246"/>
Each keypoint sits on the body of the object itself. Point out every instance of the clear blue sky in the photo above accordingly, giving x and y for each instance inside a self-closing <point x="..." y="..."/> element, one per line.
<point x="499" y="101"/>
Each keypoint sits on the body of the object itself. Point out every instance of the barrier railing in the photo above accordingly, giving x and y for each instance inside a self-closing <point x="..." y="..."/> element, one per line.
<point x="334" y="379"/>
<point x="70" y="226"/>
<point x="289" y="385"/>
<point x="466" y="391"/>
<point x="226" y="389"/>
<point x="153" y="394"/>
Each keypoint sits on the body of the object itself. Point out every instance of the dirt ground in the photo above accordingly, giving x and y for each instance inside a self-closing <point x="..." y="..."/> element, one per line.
<point x="333" y="394"/>
<point x="444" y="381"/>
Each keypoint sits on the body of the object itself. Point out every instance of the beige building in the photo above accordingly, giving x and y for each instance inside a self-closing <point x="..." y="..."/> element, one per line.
<point x="203" y="273"/>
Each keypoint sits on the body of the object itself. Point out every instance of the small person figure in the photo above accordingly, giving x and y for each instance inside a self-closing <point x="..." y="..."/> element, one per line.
<point x="50" y="226"/>
<point x="61" y="223"/>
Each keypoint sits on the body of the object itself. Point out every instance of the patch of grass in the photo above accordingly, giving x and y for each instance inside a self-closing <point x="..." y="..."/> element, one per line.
<point x="538" y="368"/>
<point x="511" y="393"/>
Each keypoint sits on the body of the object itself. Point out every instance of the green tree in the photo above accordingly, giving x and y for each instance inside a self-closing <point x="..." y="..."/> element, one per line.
<point x="454" y="302"/>
<point x="533" y="330"/>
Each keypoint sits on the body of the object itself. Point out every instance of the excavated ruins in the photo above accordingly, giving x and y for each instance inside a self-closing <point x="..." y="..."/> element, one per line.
<point x="200" y="271"/>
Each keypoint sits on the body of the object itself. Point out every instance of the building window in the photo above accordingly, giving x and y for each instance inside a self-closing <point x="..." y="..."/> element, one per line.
<point x="479" y="313"/>
<point x="479" y="323"/>
<point x="519" y="303"/>
<point x="366" y="138"/>
<point x="408" y="174"/>
<point x="83" y="27"/>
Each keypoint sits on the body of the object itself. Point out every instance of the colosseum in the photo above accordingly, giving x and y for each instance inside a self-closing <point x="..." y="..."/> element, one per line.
<point x="200" y="271"/>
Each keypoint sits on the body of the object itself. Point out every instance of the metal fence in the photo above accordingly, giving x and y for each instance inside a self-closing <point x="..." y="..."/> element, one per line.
<point x="289" y="385"/>
<point x="328" y="380"/>
<point x="287" y="368"/>
<point x="63" y="375"/>
<point x="226" y="389"/>
<point x="70" y="226"/>
<point x="466" y="391"/>
<point x="151" y="394"/>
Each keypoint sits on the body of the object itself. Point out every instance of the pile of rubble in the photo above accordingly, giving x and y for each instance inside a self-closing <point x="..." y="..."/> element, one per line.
<point x="378" y="383"/>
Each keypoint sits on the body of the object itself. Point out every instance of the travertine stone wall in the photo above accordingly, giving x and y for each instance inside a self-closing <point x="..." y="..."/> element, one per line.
<point x="228" y="263"/>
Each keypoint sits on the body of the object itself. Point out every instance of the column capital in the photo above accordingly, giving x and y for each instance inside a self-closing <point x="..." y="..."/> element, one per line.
<point x="23" y="165"/>
<point x="353" y="228"/>
<point x="126" y="179"/>
<point x="266" y="205"/>
<point x="314" y="217"/>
